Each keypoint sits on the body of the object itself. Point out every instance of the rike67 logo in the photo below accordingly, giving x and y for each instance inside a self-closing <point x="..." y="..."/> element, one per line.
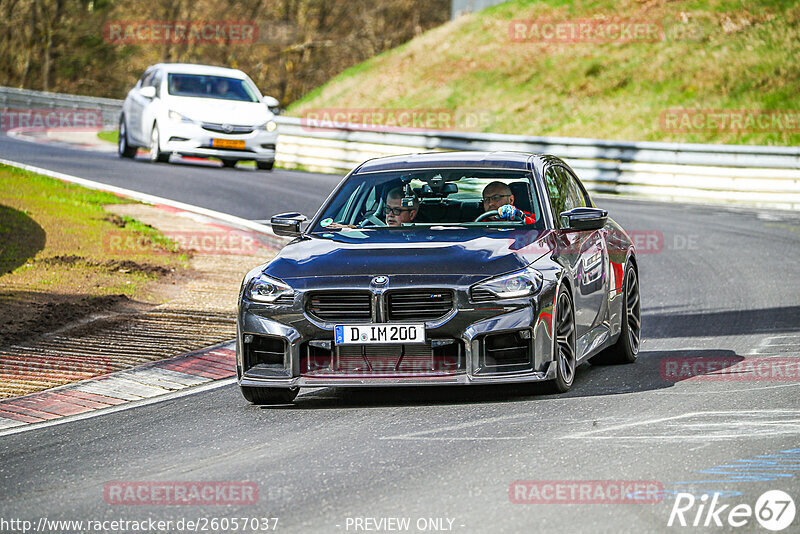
<point x="774" y="510"/>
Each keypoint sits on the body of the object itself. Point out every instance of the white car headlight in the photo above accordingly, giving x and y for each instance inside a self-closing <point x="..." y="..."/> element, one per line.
<point x="174" y="115"/>
<point x="517" y="284"/>
<point x="263" y="288"/>
<point x="269" y="126"/>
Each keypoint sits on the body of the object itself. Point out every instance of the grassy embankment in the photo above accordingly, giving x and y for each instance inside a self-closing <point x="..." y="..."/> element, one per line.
<point x="62" y="256"/>
<point x="715" y="54"/>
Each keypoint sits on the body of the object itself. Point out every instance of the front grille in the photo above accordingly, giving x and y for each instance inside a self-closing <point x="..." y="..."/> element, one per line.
<point x="435" y="357"/>
<point x="482" y="295"/>
<point x="419" y="304"/>
<point x="340" y="306"/>
<point x="234" y="129"/>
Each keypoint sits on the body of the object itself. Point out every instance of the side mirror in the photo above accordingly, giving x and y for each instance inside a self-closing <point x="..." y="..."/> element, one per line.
<point x="583" y="219"/>
<point x="148" y="91"/>
<point x="287" y="224"/>
<point x="273" y="104"/>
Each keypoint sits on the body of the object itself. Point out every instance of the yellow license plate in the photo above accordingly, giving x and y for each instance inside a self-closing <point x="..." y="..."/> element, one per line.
<point x="228" y="143"/>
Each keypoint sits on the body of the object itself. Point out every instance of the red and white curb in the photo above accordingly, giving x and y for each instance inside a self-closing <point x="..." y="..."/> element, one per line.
<point x="140" y="383"/>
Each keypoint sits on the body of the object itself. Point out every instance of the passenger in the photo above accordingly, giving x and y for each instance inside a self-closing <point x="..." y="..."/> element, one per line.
<point x="498" y="196"/>
<point x="396" y="215"/>
<point x="223" y="88"/>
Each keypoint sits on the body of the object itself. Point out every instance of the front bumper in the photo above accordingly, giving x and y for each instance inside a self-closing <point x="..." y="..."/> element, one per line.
<point x="189" y="139"/>
<point x="469" y="324"/>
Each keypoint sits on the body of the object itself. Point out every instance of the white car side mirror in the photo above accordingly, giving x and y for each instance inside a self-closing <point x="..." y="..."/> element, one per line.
<point x="272" y="103"/>
<point x="148" y="92"/>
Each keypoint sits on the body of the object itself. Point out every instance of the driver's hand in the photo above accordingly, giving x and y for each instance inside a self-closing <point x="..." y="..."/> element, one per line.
<point x="508" y="212"/>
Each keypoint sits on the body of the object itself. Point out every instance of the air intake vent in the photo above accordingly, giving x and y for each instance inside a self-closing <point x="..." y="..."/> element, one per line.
<point x="482" y="295"/>
<point x="284" y="300"/>
<point x="419" y="304"/>
<point x="340" y="306"/>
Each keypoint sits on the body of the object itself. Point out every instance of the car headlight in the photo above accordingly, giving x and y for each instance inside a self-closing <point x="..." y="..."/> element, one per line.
<point x="263" y="288"/>
<point x="517" y="284"/>
<point x="269" y="126"/>
<point x="174" y="115"/>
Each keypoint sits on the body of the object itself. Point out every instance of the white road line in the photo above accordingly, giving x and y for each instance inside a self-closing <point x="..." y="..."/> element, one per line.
<point x="10" y="423"/>
<point x="719" y="391"/>
<point x="148" y="199"/>
<point x="682" y="430"/>
<point x="120" y="407"/>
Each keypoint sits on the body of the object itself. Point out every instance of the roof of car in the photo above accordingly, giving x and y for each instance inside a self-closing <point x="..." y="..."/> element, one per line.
<point x="189" y="68"/>
<point x="494" y="160"/>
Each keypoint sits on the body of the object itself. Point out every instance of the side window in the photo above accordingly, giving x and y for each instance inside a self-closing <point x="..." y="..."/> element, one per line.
<point x="556" y="192"/>
<point x="575" y="195"/>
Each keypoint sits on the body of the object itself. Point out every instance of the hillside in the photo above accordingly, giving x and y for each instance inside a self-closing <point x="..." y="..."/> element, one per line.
<point x="704" y="56"/>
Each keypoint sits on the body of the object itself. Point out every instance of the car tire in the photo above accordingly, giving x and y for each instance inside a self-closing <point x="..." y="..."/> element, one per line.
<point x="269" y="395"/>
<point x="626" y="348"/>
<point x="564" y="343"/>
<point x="156" y="156"/>
<point x="229" y="163"/>
<point x="265" y="165"/>
<point x="124" y="148"/>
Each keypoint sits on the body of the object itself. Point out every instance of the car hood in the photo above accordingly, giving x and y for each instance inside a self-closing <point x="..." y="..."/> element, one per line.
<point x="465" y="256"/>
<point x="221" y="111"/>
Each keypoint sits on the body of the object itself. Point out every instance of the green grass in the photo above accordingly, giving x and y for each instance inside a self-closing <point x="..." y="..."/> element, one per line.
<point x="110" y="136"/>
<point x="714" y="55"/>
<point x="58" y="237"/>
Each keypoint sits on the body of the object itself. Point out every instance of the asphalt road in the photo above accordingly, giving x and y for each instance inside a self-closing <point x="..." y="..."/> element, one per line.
<point x="715" y="283"/>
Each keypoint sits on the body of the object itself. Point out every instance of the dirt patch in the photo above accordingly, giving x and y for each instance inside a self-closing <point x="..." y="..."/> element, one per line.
<point x="121" y="266"/>
<point x="116" y="220"/>
<point x="25" y="315"/>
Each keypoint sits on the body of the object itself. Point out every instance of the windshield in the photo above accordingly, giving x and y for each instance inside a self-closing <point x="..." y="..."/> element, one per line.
<point x="432" y="197"/>
<point x="196" y="85"/>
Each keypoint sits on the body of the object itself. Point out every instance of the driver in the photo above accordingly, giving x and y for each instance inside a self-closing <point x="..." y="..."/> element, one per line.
<point x="498" y="196"/>
<point x="396" y="215"/>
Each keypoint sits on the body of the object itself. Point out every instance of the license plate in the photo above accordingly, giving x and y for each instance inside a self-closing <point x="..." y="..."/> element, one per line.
<point x="228" y="143"/>
<point x="369" y="334"/>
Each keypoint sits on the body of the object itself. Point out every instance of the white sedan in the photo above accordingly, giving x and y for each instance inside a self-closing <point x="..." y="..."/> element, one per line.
<point x="198" y="111"/>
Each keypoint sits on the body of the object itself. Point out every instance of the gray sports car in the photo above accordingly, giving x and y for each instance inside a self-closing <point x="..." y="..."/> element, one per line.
<point x="449" y="268"/>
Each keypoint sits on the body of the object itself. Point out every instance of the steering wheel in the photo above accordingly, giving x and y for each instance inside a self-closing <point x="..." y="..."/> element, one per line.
<point x="495" y="213"/>
<point x="486" y="215"/>
<point x="374" y="220"/>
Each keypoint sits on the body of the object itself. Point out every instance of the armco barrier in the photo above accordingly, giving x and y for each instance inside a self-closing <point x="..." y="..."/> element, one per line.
<point x="11" y="98"/>
<point x="761" y="176"/>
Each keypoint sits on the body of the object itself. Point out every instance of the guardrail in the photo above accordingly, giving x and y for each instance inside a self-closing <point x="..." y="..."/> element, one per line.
<point x="11" y="98"/>
<point x="761" y="176"/>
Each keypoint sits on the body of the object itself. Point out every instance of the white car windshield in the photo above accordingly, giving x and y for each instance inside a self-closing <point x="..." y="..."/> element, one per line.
<point x="203" y="86"/>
